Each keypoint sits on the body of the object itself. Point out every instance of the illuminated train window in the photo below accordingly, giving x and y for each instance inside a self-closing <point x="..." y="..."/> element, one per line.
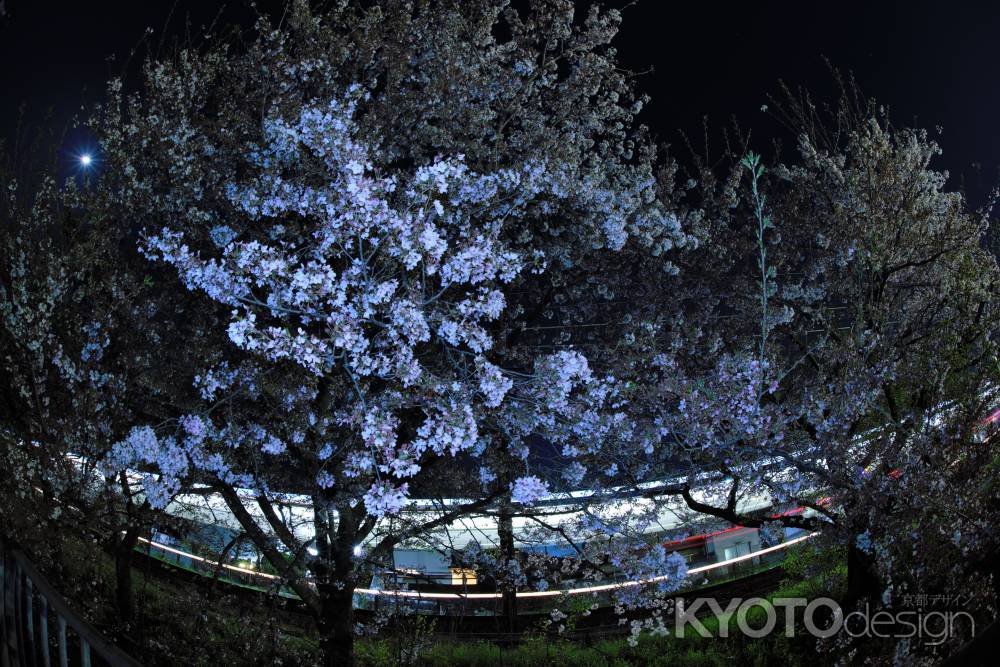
<point x="463" y="576"/>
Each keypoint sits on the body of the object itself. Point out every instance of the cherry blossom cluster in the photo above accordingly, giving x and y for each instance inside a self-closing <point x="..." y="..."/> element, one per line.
<point x="390" y="279"/>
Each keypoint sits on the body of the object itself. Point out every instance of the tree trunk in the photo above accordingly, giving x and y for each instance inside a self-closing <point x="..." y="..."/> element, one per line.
<point x="124" y="548"/>
<point x="336" y="625"/>
<point x="862" y="580"/>
<point x="335" y="582"/>
<point x="505" y="528"/>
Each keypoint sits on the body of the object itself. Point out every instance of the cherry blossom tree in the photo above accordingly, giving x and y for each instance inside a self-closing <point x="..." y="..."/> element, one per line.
<point x="854" y="356"/>
<point x="382" y="204"/>
<point x="78" y="312"/>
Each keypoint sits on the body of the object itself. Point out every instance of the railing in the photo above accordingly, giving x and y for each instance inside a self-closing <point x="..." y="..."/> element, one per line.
<point x="29" y="604"/>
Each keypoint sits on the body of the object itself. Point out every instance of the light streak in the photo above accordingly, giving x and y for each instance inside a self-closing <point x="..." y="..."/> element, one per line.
<point x="585" y="590"/>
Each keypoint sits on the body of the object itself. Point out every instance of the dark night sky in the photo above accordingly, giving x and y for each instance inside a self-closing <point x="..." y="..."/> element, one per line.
<point x="926" y="60"/>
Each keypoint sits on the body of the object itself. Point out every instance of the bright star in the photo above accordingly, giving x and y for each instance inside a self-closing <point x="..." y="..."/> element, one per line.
<point x="85" y="160"/>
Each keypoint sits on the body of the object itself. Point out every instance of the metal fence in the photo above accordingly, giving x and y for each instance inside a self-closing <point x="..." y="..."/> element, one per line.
<point x="39" y="629"/>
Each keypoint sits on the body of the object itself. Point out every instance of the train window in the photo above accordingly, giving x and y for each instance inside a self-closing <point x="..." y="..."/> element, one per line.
<point x="462" y="576"/>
